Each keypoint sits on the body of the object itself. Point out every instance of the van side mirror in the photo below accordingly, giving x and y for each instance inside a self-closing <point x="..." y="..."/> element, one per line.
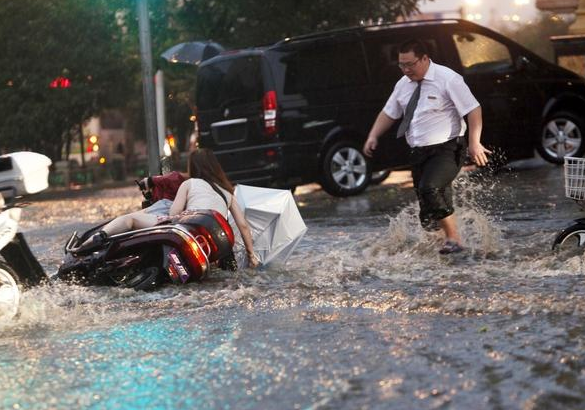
<point x="522" y="63"/>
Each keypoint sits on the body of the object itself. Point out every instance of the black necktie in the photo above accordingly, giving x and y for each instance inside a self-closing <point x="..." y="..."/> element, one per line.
<point x="409" y="112"/>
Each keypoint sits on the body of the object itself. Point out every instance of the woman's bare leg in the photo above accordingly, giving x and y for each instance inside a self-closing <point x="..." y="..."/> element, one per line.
<point x="125" y="223"/>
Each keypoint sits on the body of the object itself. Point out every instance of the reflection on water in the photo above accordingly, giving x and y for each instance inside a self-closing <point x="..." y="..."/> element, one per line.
<point x="366" y="314"/>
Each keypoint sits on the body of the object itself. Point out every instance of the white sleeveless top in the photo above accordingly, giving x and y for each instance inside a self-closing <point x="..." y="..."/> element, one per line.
<point x="203" y="196"/>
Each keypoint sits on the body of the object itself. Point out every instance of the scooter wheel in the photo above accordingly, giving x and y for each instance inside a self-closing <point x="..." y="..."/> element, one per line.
<point x="9" y="293"/>
<point x="146" y="279"/>
<point x="570" y="242"/>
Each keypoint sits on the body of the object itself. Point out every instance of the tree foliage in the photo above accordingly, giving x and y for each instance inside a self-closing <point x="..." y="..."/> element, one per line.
<point x="241" y="23"/>
<point x="46" y="39"/>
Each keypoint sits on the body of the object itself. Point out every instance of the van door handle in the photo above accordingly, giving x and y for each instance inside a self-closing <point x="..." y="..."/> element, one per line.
<point x="229" y="122"/>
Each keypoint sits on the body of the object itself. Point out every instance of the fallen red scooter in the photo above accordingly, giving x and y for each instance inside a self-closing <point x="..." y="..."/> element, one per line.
<point x="179" y="252"/>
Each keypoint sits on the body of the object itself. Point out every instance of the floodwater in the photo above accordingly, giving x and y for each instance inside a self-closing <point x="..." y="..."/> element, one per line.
<point x="365" y="315"/>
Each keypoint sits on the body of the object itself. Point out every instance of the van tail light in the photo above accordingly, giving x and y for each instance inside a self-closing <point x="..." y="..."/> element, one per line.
<point x="269" y="106"/>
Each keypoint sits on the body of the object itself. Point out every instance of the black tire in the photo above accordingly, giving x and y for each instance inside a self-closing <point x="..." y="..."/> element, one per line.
<point x="570" y="242"/>
<point x="9" y="292"/>
<point x="19" y="257"/>
<point x="144" y="279"/>
<point x="345" y="169"/>
<point x="562" y="135"/>
<point x="379" y="177"/>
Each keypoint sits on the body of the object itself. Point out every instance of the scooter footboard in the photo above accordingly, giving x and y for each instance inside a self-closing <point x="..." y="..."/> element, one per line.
<point x="19" y="256"/>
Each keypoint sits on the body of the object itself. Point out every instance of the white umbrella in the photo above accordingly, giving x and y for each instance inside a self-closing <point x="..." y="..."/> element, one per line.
<point x="276" y="224"/>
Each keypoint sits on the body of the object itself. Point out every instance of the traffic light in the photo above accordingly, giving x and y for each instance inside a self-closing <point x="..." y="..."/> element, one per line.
<point x="60" y="82"/>
<point x="92" y="143"/>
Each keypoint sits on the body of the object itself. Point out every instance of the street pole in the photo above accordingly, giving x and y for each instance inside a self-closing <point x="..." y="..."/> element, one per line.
<point x="159" y="87"/>
<point x="148" y="88"/>
<point x="159" y="90"/>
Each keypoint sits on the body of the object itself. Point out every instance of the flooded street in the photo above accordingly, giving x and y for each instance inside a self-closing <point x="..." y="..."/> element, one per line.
<point x="365" y="315"/>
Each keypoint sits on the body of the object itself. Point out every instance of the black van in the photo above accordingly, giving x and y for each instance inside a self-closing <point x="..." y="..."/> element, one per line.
<point x="299" y="111"/>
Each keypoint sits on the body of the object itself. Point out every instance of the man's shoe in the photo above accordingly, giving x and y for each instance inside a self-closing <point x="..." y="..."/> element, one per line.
<point x="450" y="247"/>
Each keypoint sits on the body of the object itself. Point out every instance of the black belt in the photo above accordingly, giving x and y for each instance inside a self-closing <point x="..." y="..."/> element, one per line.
<point x="456" y="140"/>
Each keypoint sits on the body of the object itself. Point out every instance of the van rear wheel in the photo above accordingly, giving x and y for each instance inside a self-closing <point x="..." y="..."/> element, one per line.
<point x="562" y="136"/>
<point x="345" y="169"/>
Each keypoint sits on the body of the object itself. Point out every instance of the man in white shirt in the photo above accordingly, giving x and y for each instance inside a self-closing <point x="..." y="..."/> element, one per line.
<point x="432" y="100"/>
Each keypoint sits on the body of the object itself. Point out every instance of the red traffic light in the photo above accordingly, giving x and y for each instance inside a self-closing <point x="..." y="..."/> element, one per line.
<point x="60" y="82"/>
<point x="92" y="144"/>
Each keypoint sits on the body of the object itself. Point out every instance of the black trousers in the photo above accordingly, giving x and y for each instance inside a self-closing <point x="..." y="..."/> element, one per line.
<point x="434" y="167"/>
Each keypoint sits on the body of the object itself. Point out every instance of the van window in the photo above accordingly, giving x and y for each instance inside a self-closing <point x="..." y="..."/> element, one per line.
<point x="383" y="58"/>
<point x="325" y="67"/>
<point x="481" y="54"/>
<point x="229" y="82"/>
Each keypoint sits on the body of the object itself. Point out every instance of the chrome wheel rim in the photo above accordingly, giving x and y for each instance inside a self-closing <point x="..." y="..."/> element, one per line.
<point x="9" y="296"/>
<point x="561" y="138"/>
<point x="349" y="168"/>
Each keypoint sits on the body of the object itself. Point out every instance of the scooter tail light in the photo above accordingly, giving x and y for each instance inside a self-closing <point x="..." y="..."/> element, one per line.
<point x="225" y="226"/>
<point x="198" y="253"/>
<point x="269" y="105"/>
<point x="204" y="243"/>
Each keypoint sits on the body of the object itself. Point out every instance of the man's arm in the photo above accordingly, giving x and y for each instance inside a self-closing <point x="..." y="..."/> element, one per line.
<point x="382" y="124"/>
<point x="477" y="152"/>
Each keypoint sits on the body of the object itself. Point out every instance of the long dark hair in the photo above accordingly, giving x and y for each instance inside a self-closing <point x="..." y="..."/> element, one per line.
<point x="203" y="164"/>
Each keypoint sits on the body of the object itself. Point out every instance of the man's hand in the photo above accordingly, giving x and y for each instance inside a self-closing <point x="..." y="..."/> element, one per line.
<point x="370" y="146"/>
<point x="382" y="124"/>
<point x="478" y="154"/>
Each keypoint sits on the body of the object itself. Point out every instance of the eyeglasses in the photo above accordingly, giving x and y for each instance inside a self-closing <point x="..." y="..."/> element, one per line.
<point x="410" y="64"/>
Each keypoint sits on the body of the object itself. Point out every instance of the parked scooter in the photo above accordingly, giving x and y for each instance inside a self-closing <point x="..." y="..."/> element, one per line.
<point x="18" y="266"/>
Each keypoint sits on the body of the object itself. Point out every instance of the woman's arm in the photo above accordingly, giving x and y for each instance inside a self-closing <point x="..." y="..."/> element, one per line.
<point x="180" y="201"/>
<point x="244" y="228"/>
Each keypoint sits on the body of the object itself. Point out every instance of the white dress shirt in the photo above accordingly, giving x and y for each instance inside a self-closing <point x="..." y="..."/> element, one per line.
<point x="438" y="117"/>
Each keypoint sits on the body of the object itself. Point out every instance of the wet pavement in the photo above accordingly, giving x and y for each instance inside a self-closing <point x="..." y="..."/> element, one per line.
<point x="365" y="315"/>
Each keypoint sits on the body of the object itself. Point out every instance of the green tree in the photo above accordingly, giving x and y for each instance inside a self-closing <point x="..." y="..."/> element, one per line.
<point x="46" y="39"/>
<point x="241" y="23"/>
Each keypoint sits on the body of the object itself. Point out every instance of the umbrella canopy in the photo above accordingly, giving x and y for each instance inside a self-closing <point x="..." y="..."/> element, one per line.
<point x="276" y="224"/>
<point x="192" y="52"/>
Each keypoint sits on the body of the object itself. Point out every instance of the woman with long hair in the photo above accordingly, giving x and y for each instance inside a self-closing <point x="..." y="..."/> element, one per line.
<point x="208" y="187"/>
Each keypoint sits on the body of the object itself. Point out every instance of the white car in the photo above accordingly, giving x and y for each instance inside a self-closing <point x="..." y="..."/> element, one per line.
<point x="23" y="173"/>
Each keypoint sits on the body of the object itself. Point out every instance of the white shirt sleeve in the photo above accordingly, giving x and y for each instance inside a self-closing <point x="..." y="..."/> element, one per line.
<point x="461" y="95"/>
<point x="392" y="109"/>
